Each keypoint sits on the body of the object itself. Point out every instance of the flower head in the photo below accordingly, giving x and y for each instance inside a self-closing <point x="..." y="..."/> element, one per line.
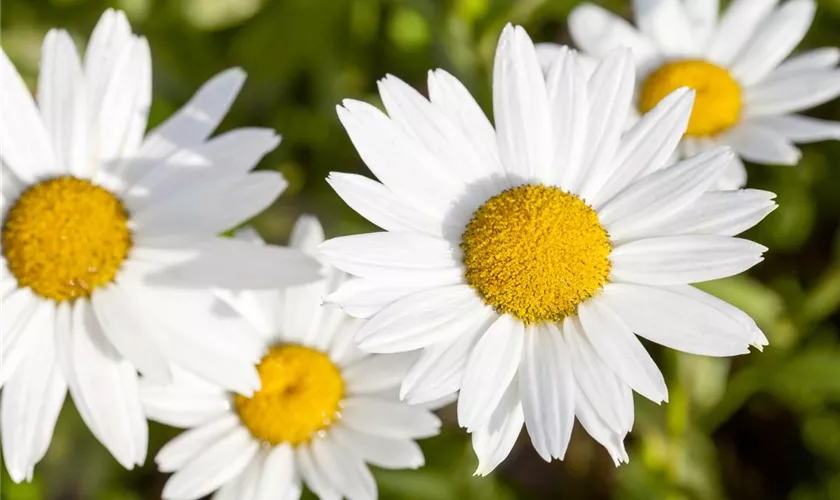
<point x="524" y="259"/>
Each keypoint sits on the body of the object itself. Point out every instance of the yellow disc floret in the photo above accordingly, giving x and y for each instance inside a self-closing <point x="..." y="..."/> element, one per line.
<point x="536" y="252"/>
<point x="300" y="396"/>
<point x="65" y="236"/>
<point x="717" y="105"/>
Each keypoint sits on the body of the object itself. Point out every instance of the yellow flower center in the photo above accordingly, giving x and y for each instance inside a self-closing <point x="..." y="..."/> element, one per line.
<point x="536" y="252"/>
<point x="300" y="396"/>
<point x="717" y="105"/>
<point x="64" y="237"/>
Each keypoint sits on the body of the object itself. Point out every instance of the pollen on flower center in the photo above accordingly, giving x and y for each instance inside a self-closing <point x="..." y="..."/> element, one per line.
<point x="300" y="396"/>
<point x="536" y="252"/>
<point x="64" y="237"/>
<point x="717" y="105"/>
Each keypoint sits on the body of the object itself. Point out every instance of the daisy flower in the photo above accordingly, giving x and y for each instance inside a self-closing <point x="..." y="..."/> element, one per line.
<point x="748" y="91"/>
<point x="324" y="412"/>
<point x="524" y="261"/>
<point x="109" y="242"/>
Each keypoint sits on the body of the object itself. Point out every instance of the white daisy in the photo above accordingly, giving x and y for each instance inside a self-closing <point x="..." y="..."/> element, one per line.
<point x="325" y="409"/>
<point x="748" y="90"/>
<point x="522" y="260"/>
<point x="109" y="241"/>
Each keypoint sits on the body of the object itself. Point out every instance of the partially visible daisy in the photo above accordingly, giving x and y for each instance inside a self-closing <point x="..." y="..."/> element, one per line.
<point x="324" y="412"/>
<point x="109" y="242"/>
<point x="524" y="260"/>
<point x="748" y="90"/>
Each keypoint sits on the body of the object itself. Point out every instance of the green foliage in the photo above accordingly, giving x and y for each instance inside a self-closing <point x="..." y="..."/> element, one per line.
<point x="766" y="425"/>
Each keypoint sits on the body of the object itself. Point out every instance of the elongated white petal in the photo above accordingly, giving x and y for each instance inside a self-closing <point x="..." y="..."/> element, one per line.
<point x="703" y="17"/>
<point x="418" y="320"/>
<point x="822" y="58"/>
<point x="384" y="452"/>
<point x="801" y="129"/>
<point x="399" y="250"/>
<point x="649" y="145"/>
<point x="213" y="466"/>
<point x="598" y="32"/>
<point x="653" y="198"/>
<point x="186" y="402"/>
<point x="774" y="40"/>
<point x="315" y="478"/>
<point x="567" y="96"/>
<point x="520" y="107"/>
<point x="666" y="23"/>
<point x="391" y="419"/>
<point x="104" y="388"/>
<point x="595" y="426"/>
<point x="181" y="450"/>
<point x="377" y="373"/>
<point x="492" y="364"/>
<point x="279" y="479"/>
<point x="493" y="441"/>
<point x="736" y="28"/>
<point x="27" y="146"/>
<point x="676" y="260"/>
<point x="762" y="145"/>
<point x="610" y="92"/>
<point x="676" y="321"/>
<point x="621" y="350"/>
<point x="345" y="469"/>
<point x="63" y="100"/>
<point x="110" y="38"/>
<point x="376" y="203"/>
<point x="547" y="388"/>
<point x="22" y="312"/>
<point x="725" y="213"/>
<point x="363" y="298"/>
<point x="439" y="369"/>
<point x="792" y="93"/>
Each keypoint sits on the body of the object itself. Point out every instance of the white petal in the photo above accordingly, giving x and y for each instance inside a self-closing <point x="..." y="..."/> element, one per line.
<point x="27" y="146"/>
<point x="63" y="99"/>
<point x="801" y="129"/>
<point x="567" y="97"/>
<point x="596" y="381"/>
<point x="734" y="177"/>
<point x="491" y="367"/>
<point x="598" y="32"/>
<point x="213" y="466"/>
<point x="197" y="212"/>
<point x="676" y="260"/>
<point x="520" y="107"/>
<point x="703" y="17"/>
<point x="822" y="58"/>
<point x="104" y="388"/>
<point x="244" y="486"/>
<point x="111" y="36"/>
<point x="676" y="321"/>
<point x="198" y="118"/>
<point x="621" y="350"/>
<point x="736" y="28"/>
<point x="124" y="106"/>
<point x="440" y="367"/>
<point x="357" y="253"/>
<point x="186" y="402"/>
<point x="279" y="480"/>
<point x="129" y="334"/>
<point x="345" y="470"/>
<point x="390" y="419"/>
<point x="653" y="198"/>
<point x="376" y="203"/>
<point x="454" y="100"/>
<point x="363" y="298"/>
<point x="418" y="320"/>
<point x="32" y="400"/>
<point x="761" y="145"/>
<point x="235" y="264"/>
<point x="725" y="213"/>
<point x="774" y="40"/>
<point x="610" y="92"/>
<point x="312" y="474"/>
<point x="22" y="312"/>
<point x="384" y="452"/>
<point x="547" y="388"/>
<point x="377" y="372"/>
<point x="792" y="93"/>
<point x="493" y="441"/>
<point x="182" y="449"/>
<point x="754" y="335"/>
<point x="595" y="426"/>
<point x="398" y="161"/>
<point x="666" y="23"/>
<point x="650" y="144"/>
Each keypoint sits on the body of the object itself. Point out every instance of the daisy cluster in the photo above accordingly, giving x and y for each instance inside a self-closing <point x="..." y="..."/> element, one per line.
<point x="518" y="262"/>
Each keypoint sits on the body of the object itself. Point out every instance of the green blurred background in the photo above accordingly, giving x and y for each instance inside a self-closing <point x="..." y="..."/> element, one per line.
<point x="762" y="426"/>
